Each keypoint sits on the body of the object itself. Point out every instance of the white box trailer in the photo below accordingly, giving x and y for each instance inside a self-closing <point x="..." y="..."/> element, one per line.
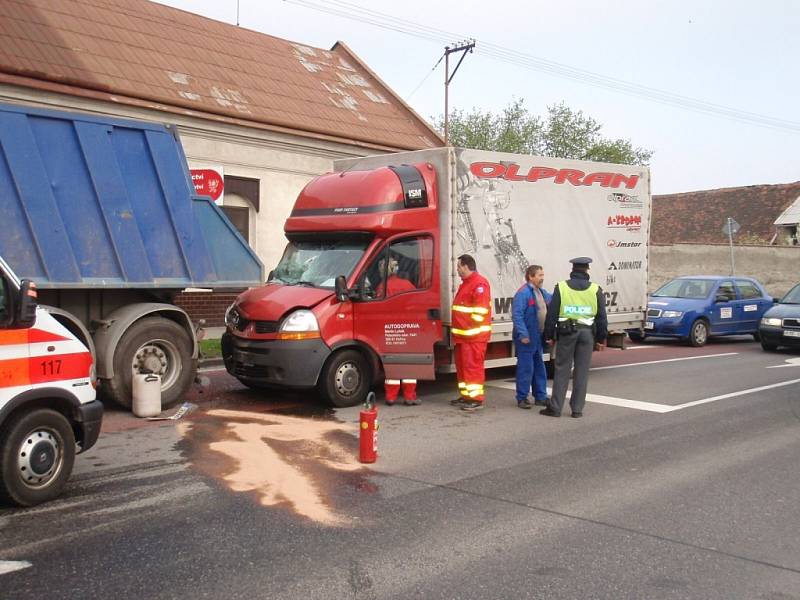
<point x="513" y="210"/>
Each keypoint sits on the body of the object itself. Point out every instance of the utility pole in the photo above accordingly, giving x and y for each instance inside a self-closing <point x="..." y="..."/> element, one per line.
<point x="462" y="47"/>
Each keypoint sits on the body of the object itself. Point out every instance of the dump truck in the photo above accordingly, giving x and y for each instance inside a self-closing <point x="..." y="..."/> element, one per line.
<point x="326" y="318"/>
<point x="101" y="213"/>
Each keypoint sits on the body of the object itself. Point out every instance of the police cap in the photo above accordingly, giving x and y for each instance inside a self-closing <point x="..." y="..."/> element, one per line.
<point x="581" y="260"/>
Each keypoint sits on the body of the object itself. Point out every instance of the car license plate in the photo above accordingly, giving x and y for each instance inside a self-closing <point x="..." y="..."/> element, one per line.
<point x="792" y="334"/>
<point x="648" y="324"/>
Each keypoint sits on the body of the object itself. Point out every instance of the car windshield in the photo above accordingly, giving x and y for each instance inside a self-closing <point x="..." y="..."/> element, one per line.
<point x="317" y="263"/>
<point x="792" y="296"/>
<point x="685" y="288"/>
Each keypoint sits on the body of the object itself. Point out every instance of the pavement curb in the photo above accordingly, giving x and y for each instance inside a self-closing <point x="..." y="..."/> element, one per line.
<point x="206" y="363"/>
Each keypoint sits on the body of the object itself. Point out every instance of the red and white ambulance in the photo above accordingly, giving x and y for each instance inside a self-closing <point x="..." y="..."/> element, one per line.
<point x="48" y="409"/>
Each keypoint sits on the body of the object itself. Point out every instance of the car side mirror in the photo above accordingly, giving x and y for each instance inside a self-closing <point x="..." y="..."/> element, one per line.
<point x="722" y="298"/>
<point x="776" y="300"/>
<point x="340" y="285"/>
<point x="26" y="305"/>
<point x="271" y="275"/>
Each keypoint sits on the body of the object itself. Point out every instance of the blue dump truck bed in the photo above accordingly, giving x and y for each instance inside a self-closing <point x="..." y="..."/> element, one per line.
<point x="94" y="202"/>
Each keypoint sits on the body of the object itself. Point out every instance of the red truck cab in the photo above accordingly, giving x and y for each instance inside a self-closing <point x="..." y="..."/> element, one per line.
<point x="357" y="293"/>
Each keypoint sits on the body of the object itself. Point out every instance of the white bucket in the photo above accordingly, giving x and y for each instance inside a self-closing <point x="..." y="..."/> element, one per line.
<point x="146" y="394"/>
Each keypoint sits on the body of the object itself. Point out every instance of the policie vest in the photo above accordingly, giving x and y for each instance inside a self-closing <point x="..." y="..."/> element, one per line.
<point x="578" y="305"/>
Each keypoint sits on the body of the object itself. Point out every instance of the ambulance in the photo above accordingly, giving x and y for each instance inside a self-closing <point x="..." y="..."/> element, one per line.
<point x="48" y="409"/>
<point x="329" y="315"/>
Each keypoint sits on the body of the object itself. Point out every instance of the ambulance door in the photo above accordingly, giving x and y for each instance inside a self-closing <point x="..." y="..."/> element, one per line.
<point x="14" y="349"/>
<point x="397" y="308"/>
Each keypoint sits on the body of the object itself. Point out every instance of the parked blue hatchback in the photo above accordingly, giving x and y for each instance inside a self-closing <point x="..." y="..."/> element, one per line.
<point x="695" y="308"/>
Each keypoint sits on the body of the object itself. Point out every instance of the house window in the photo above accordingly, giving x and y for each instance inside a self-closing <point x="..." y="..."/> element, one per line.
<point x="239" y="218"/>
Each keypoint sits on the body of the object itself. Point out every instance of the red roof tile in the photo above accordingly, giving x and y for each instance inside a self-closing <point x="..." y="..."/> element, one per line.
<point x="698" y="217"/>
<point x="142" y="51"/>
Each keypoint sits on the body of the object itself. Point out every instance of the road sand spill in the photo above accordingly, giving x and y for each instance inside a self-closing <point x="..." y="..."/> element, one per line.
<point x="282" y="459"/>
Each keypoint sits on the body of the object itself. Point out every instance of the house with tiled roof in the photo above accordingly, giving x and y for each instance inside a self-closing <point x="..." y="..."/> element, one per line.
<point x="262" y="114"/>
<point x="767" y="214"/>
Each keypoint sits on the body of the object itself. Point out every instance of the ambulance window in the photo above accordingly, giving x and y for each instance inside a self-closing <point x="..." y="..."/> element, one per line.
<point x="4" y="308"/>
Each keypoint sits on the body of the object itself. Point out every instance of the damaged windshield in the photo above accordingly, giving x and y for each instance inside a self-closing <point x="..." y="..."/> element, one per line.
<point x="318" y="262"/>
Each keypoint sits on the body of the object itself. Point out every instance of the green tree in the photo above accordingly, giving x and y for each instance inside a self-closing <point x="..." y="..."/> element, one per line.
<point x="562" y="133"/>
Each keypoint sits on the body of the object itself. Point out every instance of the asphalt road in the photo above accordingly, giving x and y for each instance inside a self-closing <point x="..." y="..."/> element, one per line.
<point x="679" y="482"/>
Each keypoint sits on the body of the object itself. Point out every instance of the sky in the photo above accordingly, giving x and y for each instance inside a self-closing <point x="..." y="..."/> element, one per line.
<point x="735" y="62"/>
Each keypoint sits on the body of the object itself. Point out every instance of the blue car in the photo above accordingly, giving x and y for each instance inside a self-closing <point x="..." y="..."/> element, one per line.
<point x="695" y="308"/>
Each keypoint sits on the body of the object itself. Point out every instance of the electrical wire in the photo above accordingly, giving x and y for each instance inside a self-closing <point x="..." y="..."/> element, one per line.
<point x="362" y="14"/>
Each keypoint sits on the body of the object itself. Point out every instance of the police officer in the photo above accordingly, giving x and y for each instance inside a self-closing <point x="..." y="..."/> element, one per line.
<point x="577" y="320"/>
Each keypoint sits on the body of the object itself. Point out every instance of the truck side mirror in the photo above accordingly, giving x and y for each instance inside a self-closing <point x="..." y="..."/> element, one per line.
<point x="340" y="285"/>
<point x="26" y="306"/>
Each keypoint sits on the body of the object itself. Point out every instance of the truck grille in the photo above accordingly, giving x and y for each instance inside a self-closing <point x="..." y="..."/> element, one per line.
<point x="791" y="322"/>
<point x="266" y="326"/>
<point x="654" y="312"/>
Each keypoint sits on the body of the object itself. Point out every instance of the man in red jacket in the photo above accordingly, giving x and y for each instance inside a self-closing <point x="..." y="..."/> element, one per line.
<point x="471" y="329"/>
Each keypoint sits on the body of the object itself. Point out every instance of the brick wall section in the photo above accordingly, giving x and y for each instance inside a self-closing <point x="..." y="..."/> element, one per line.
<point x="207" y="305"/>
<point x="698" y="217"/>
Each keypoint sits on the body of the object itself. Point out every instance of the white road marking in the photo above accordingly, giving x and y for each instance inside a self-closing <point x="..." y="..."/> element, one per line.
<point x="665" y="360"/>
<point x="644" y="347"/>
<point x="9" y="566"/>
<point x="653" y="406"/>
<point x="623" y="402"/>
<point x="790" y="362"/>
<point x="734" y="394"/>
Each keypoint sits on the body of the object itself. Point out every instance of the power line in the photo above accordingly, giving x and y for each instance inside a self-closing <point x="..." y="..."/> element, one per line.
<point x="362" y="14"/>
<point x="424" y="79"/>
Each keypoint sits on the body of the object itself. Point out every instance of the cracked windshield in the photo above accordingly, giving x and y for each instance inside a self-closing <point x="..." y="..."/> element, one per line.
<point x="317" y="262"/>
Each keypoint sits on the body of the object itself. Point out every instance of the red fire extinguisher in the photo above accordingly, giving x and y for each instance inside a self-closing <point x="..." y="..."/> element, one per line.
<point x="368" y="438"/>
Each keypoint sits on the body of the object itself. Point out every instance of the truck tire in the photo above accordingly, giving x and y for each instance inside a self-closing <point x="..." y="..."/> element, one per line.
<point x="345" y="379"/>
<point x="157" y="344"/>
<point x="768" y="346"/>
<point x="698" y="334"/>
<point x="636" y="336"/>
<point x="37" y="452"/>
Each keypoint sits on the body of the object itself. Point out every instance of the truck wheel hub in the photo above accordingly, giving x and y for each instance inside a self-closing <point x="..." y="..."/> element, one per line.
<point x="347" y="379"/>
<point x="160" y="357"/>
<point x="38" y="458"/>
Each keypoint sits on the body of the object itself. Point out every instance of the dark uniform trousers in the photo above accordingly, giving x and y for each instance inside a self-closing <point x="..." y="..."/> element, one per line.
<point x="575" y="347"/>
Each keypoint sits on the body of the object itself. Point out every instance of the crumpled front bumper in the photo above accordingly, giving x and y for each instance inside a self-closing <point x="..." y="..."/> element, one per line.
<point x="289" y="363"/>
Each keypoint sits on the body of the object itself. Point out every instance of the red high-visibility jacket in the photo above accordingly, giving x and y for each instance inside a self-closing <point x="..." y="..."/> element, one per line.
<point x="472" y="312"/>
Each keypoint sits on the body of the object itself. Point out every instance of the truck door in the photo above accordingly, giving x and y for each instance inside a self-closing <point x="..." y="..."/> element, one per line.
<point x="397" y="313"/>
<point x="723" y="314"/>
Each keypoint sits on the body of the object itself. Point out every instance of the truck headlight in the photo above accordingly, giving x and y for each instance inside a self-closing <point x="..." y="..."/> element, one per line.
<point x="300" y="325"/>
<point x="672" y="314"/>
<point x="771" y="321"/>
<point x="232" y="316"/>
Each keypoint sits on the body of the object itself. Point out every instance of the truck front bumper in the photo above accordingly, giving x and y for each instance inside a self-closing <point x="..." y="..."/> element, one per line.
<point x="88" y="419"/>
<point x="288" y="363"/>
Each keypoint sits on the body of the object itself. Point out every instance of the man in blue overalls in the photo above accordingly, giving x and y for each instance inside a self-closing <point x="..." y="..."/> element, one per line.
<point x="528" y="313"/>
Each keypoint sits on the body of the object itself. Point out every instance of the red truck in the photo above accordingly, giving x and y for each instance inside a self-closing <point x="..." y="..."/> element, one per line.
<point x="364" y="287"/>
